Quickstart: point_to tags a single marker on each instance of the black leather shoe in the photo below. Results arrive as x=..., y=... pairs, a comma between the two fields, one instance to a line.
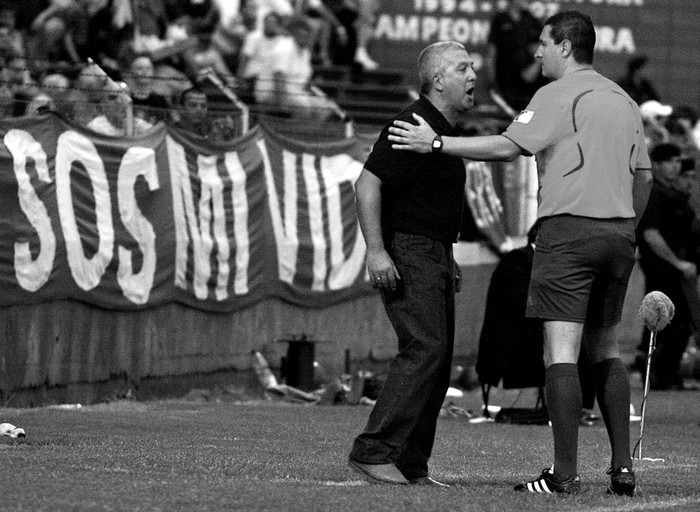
x=379, y=473
x=426, y=480
x=622, y=482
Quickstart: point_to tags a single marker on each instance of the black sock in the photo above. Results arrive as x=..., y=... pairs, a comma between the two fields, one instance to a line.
x=613, y=391
x=585, y=375
x=563, y=392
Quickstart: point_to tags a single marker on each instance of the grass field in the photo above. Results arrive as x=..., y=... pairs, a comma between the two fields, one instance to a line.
x=269, y=455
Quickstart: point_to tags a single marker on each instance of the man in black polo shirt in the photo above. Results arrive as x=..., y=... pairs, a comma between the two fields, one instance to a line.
x=668, y=238
x=410, y=209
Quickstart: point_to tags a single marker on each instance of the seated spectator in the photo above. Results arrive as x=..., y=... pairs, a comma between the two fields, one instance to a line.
x=39, y=104
x=228, y=38
x=324, y=25
x=17, y=87
x=56, y=88
x=109, y=30
x=283, y=80
x=194, y=118
x=148, y=104
x=11, y=39
x=151, y=20
x=260, y=52
x=206, y=58
x=197, y=17
x=344, y=43
x=170, y=82
x=113, y=119
x=282, y=8
x=654, y=116
x=193, y=115
x=299, y=96
x=366, y=19
x=82, y=100
x=58, y=34
x=680, y=126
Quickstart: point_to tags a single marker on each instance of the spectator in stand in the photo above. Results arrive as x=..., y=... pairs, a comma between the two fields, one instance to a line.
x=17, y=87
x=636, y=83
x=56, y=86
x=197, y=17
x=366, y=20
x=194, y=118
x=206, y=58
x=58, y=34
x=108, y=32
x=228, y=39
x=695, y=132
x=293, y=91
x=169, y=81
x=281, y=67
x=11, y=39
x=344, y=42
x=112, y=121
x=282, y=7
x=148, y=104
x=259, y=54
x=324, y=24
x=510, y=61
x=680, y=126
x=83, y=99
x=40, y=104
x=155, y=29
x=150, y=19
x=654, y=116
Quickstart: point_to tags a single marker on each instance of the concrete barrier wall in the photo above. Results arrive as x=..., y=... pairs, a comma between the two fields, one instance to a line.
x=65, y=342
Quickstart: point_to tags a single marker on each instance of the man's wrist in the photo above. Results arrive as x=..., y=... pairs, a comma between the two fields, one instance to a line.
x=437, y=144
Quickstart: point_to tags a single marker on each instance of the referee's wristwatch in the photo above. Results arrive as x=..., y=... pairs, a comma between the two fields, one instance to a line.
x=437, y=144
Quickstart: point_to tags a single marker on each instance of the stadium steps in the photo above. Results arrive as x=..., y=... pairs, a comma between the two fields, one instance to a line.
x=370, y=98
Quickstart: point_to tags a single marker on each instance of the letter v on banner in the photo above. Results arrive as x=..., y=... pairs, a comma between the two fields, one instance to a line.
x=285, y=227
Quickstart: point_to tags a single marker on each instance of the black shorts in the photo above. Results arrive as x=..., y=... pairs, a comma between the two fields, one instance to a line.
x=581, y=269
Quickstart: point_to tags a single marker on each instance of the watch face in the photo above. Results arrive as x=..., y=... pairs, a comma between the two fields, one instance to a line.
x=437, y=144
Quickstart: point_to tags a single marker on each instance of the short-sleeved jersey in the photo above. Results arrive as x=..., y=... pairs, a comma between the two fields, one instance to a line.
x=588, y=139
x=422, y=194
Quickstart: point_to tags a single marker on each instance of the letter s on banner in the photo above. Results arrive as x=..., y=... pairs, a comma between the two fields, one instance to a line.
x=31, y=274
x=137, y=161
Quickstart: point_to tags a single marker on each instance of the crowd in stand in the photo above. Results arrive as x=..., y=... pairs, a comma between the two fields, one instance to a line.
x=149, y=52
x=89, y=59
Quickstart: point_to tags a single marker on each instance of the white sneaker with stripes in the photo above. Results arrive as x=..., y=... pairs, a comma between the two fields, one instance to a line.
x=545, y=483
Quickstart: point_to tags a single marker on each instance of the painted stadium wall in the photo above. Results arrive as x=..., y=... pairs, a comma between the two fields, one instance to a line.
x=665, y=30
